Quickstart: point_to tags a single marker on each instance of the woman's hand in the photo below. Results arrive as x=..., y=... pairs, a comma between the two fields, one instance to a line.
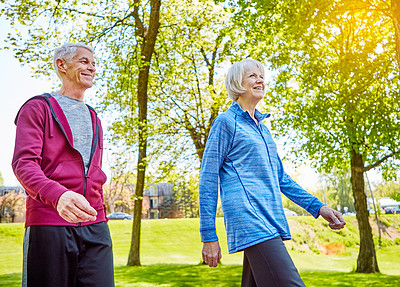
x=334, y=217
x=211, y=253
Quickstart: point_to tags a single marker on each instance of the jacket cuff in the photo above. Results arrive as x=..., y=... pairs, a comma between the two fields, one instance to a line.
x=51, y=193
x=314, y=207
x=209, y=235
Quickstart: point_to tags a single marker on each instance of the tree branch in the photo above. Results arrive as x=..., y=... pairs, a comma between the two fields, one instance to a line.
x=377, y=163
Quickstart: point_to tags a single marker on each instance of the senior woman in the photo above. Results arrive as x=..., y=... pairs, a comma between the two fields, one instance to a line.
x=241, y=161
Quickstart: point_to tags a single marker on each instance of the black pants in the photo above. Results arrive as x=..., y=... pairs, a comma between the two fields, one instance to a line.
x=65, y=256
x=269, y=264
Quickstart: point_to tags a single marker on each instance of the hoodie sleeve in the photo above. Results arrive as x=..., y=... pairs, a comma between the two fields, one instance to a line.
x=27, y=159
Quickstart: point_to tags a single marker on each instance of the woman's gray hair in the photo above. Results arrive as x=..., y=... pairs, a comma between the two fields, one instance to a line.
x=234, y=78
x=67, y=52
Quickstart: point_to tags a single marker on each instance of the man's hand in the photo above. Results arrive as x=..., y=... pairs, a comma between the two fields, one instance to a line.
x=211, y=253
x=74, y=208
x=334, y=217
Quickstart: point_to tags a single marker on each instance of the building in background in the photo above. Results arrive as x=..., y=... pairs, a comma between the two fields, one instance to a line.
x=159, y=202
x=12, y=204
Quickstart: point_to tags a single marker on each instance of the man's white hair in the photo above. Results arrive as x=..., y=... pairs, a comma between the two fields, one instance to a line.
x=234, y=78
x=67, y=52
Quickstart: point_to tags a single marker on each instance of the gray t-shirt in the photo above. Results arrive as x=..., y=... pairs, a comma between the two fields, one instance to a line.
x=80, y=122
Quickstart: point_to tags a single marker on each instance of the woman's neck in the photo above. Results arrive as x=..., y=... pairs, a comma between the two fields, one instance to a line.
x=249, y=107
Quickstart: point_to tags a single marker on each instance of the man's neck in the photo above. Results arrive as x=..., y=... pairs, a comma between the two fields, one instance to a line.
x=72, y=93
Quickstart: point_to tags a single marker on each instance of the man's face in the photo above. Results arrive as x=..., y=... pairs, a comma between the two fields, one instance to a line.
x=80, y=71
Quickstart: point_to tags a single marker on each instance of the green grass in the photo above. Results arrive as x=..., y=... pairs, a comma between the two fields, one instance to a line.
x=175, y=241
x=226, y=275
x=171, y=255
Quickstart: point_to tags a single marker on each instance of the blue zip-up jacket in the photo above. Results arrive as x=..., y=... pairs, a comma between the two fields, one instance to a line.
x=242, y=159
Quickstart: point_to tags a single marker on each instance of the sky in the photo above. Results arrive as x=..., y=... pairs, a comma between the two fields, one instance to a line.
x=18, y=85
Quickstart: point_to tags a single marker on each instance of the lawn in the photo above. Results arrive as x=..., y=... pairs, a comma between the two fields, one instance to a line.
x=170, y=256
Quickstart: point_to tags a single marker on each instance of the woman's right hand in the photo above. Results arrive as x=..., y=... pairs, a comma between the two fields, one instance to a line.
x=211, y=253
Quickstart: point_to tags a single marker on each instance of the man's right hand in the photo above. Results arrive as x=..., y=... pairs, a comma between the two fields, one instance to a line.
x=74, y=208
x=211, y=253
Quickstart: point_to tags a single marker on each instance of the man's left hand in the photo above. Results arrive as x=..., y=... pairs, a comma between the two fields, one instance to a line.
x=334, y=217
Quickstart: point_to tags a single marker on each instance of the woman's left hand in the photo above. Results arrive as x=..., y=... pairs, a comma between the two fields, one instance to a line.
x=211, y=253
x=334, y=217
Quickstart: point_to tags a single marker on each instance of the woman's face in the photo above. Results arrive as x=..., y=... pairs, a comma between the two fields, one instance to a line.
x=253, y=82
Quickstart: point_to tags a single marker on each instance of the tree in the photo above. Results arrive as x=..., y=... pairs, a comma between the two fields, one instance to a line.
x=1, y=180
x=149, y=36
x=388, y=189
x=10, y=205
x=188, y=63
x=118, y=191
x=392, y=11
x=340, y=192
x=335, y=88
x=194, y=44
x=395, y=196
x=186, y=196
x=169, y=207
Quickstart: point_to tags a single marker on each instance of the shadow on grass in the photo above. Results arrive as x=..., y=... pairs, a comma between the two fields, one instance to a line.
x=230, y=275
x=178, y=275
x=11, y=279
x=223, y=275
x=318, y=278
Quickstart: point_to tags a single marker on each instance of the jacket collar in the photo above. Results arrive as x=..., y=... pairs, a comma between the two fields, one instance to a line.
x=61, y=118
x=237, y=109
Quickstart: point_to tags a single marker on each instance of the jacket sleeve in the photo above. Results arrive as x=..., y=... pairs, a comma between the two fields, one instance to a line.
x=27, y=159
x=217, y=147
x=296, y=193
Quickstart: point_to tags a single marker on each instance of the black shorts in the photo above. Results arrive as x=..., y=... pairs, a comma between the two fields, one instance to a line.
x=68, y=256
x=269, y=264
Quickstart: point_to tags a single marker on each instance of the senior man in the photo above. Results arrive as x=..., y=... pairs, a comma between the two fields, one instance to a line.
x=57, y=159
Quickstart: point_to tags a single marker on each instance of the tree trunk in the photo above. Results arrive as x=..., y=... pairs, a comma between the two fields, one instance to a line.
x=147, y=49
x=366, y=261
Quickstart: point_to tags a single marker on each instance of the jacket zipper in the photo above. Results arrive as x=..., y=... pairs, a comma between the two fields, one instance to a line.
x=258, y=127
x=85, y=172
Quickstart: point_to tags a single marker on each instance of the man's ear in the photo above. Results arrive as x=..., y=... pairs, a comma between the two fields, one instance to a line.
x=61, y=65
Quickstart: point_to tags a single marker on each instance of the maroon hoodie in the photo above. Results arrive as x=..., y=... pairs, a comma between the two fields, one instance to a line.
x=46, y=163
